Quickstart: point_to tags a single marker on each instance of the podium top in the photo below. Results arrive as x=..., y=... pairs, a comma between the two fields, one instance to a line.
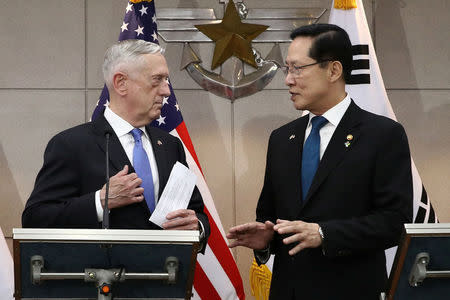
x=429, y=228
x=106, y=235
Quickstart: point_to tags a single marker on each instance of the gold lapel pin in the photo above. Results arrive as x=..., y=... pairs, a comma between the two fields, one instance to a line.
x=349, y=137
x=159, y=142
x=292, y=137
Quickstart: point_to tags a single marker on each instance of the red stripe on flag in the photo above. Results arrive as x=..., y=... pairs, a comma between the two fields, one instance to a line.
x=216, y=241
x=223, y=255
x=203, y=285
x=184, y=135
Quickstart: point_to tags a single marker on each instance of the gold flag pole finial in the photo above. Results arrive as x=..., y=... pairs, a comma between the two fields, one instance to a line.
x=345, y=4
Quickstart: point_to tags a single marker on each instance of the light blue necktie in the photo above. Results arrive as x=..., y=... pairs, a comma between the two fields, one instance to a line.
x=311, y=154
x=142, y=167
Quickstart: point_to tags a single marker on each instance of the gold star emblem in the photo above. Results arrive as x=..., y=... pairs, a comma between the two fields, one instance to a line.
x=232, y=37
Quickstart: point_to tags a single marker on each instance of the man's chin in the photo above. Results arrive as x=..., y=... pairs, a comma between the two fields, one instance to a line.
x=299, y=104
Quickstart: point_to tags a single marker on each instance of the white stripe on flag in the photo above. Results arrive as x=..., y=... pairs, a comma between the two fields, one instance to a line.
x=195, y=295
x=217, y=275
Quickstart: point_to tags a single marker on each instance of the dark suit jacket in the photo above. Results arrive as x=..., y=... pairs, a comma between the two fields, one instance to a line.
x=361, y=195
x=74, y=169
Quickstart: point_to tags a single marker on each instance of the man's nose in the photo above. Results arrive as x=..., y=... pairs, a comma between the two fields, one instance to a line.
x=289, y=79
x=165, y=89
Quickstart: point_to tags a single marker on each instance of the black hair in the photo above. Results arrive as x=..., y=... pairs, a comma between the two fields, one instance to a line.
x=330, y=43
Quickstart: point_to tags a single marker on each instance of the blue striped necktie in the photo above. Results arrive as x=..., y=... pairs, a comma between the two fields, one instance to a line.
x=311, y=154
x=142, y=167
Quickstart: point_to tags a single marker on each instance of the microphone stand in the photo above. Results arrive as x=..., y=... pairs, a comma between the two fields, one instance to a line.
x=106, y=209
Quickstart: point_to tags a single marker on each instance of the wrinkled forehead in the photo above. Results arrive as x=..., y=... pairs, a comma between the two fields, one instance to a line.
x=153, y=64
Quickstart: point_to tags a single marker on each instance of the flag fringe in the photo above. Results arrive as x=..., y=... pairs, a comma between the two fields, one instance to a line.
x=260, y=278
x=345, y=4
x=139, y=1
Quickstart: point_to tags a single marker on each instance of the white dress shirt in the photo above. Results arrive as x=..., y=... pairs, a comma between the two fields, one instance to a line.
x=334, y=116
x=122, y=129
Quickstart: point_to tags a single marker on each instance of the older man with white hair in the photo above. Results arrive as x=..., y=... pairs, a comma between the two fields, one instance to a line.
x=70, y=188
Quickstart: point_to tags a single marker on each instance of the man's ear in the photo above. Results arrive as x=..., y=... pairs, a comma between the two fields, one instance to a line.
x=335, y=71
x=120, y=83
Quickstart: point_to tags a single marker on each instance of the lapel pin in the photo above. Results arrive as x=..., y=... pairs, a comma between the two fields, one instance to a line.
x=292, y=137
x=349, y=137
x=159, y=142
x=347, y=144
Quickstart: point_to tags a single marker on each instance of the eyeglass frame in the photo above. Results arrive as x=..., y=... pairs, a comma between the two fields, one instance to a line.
x=297, y=70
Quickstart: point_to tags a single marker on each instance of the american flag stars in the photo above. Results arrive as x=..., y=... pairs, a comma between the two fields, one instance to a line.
x=155, y=36
x=136, y=15
x=161, y=120
x=124, y=26
x=129, y=8
x=168, y=112
x=143, y=11
x=139, y=30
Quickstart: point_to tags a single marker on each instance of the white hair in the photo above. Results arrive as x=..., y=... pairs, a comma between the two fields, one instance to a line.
x=125, y=53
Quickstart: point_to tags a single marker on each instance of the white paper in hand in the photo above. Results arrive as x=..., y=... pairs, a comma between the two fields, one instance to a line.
x=176, y=194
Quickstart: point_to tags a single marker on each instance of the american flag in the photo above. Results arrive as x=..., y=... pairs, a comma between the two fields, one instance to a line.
x=216, y=273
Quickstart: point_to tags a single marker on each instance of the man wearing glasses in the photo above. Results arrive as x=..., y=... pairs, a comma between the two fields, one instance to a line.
x=338, y=184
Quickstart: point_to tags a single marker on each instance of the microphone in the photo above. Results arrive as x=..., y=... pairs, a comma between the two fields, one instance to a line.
x=106, y=208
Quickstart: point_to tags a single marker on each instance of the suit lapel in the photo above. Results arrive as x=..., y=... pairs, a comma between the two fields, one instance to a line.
x=117, y=156
x=159, y=146
x=338, y=147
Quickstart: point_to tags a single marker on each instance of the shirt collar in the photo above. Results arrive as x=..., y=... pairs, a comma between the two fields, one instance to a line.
x=119, y=125
x=335, y=114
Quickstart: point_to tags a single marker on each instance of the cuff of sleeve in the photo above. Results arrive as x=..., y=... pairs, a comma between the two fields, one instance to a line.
x=322, y=238
x=98, y=206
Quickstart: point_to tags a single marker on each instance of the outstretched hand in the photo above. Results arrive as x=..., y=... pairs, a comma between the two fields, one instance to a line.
x=254, y=235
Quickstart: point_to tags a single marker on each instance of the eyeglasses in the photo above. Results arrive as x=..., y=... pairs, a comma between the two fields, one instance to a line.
x=294, y=70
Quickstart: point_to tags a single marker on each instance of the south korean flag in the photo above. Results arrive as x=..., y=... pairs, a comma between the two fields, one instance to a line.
x=366, y=88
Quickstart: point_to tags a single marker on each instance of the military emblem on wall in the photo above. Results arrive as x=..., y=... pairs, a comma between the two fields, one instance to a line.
x=236, y=37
